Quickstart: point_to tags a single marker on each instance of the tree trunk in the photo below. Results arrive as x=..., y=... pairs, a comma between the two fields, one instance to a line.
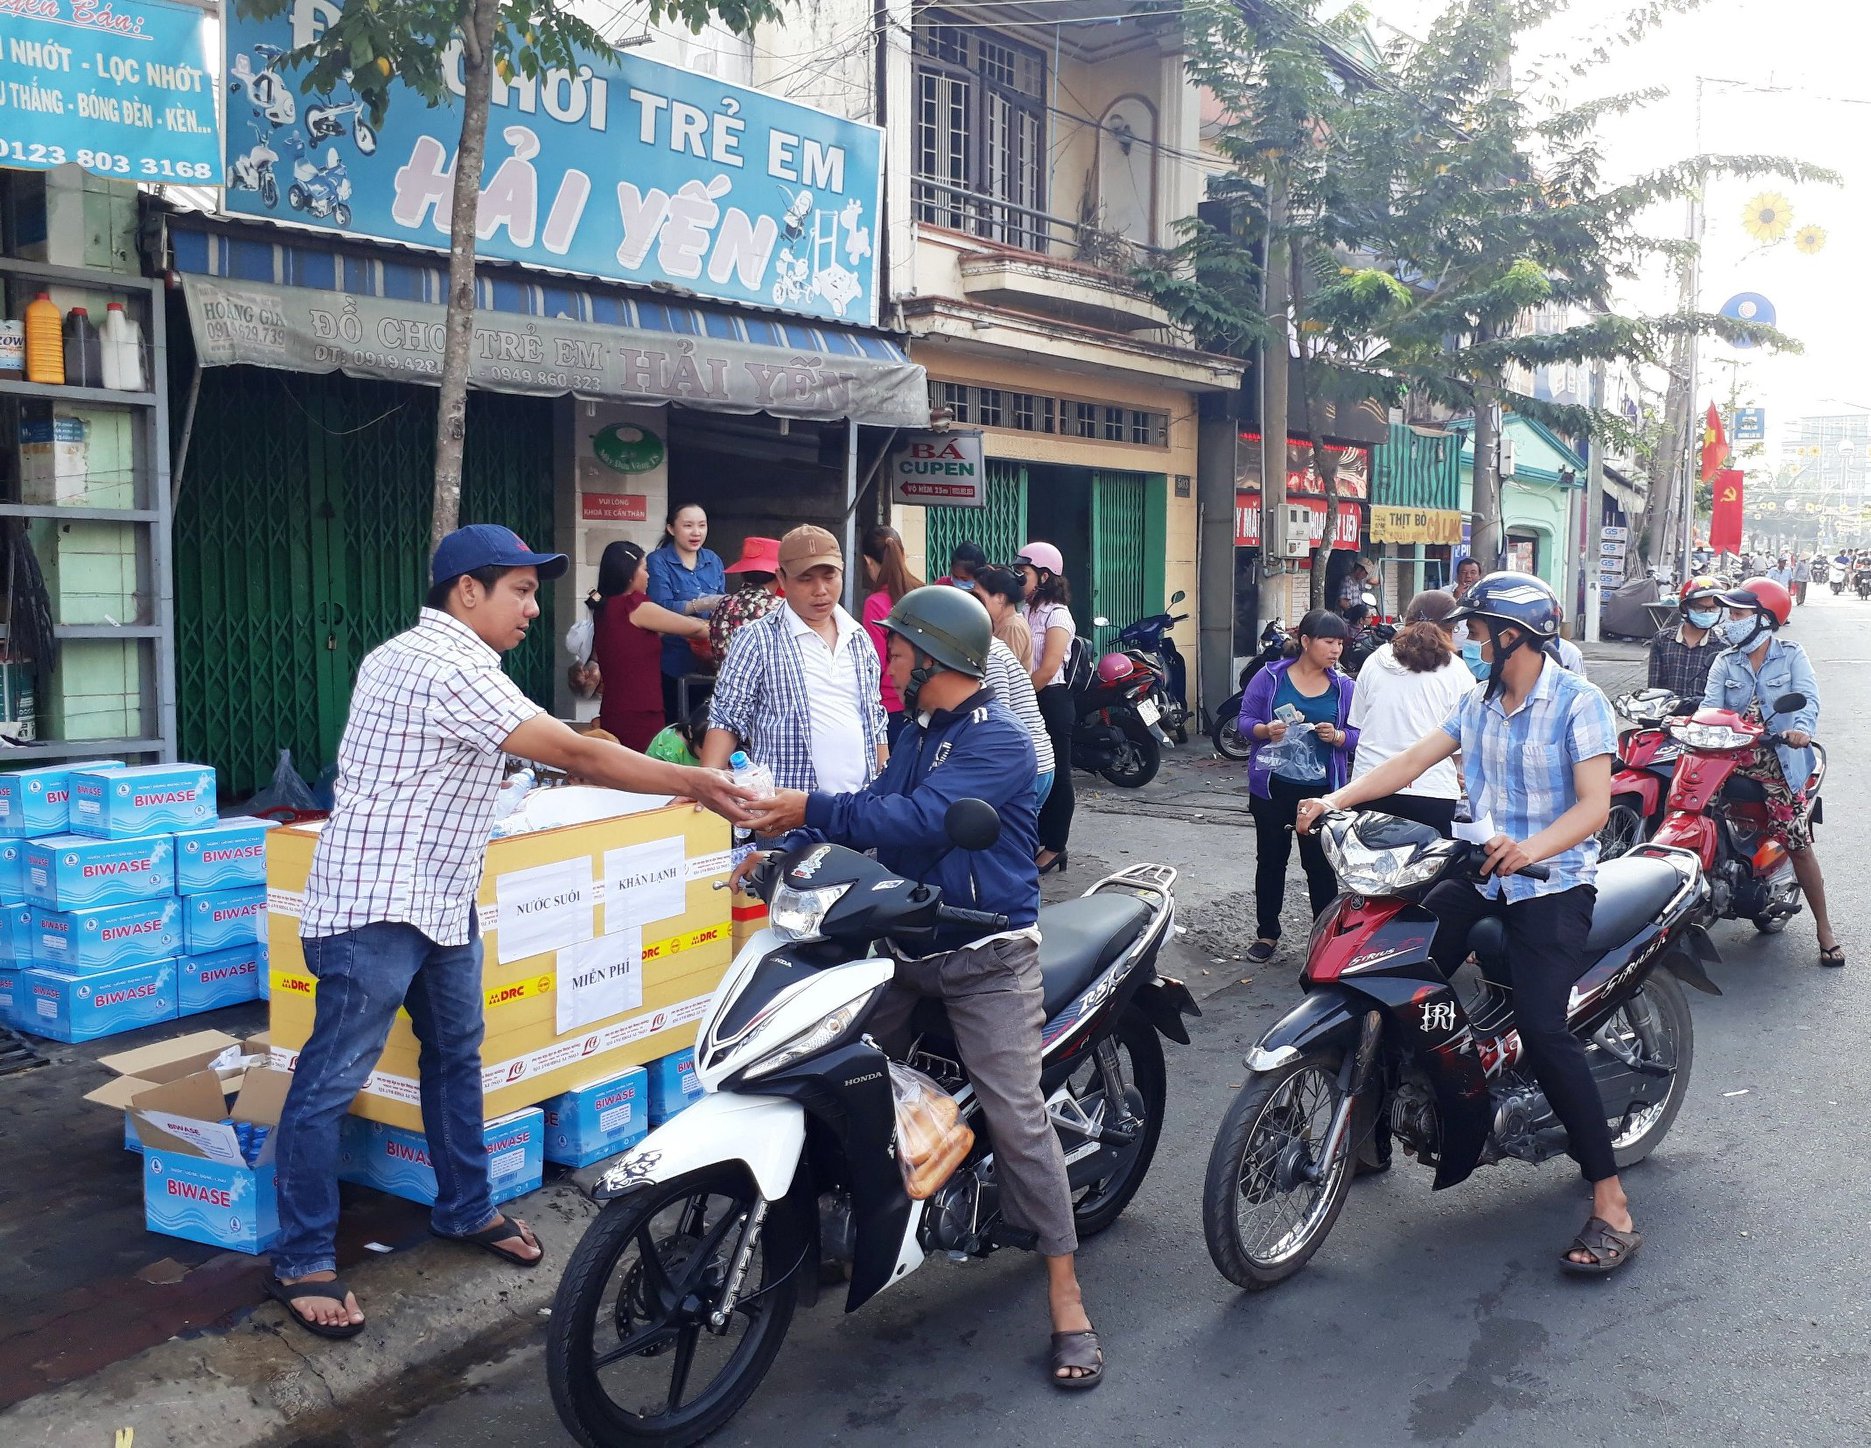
x=451, y=417
x=1666, y=466
x=1274, y=373
x=1487, y=534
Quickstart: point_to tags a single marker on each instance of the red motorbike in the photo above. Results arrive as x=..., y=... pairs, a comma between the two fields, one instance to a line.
x=1117, y=733
x=1721, y=815
x=1646, y=764
x=1382, y=1036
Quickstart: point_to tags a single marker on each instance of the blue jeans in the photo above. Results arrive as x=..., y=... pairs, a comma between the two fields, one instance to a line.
x=363, y=976
x=1042, y=786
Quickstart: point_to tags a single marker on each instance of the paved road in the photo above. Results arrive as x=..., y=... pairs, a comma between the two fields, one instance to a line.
x=1427, y=1318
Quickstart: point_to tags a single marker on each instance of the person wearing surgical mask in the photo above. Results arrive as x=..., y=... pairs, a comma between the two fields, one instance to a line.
x=1680, y=657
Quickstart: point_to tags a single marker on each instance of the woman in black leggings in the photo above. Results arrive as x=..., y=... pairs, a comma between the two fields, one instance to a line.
x=1049, y=617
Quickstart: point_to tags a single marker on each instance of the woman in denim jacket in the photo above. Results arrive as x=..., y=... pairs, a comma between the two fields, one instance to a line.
x=1283, y=768
x=1757, y=669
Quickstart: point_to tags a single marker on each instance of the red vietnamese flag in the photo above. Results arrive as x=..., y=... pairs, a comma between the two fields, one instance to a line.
x=1714, y=445
x=1725, y=524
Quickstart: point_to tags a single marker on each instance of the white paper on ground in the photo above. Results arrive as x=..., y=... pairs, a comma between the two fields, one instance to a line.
x=645, y=882
x=600, y=979
x=545, y=908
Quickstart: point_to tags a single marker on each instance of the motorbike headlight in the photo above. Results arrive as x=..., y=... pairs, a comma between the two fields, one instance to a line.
x=798, y=914
x=1366, y=871
x=814, y=1039
x=1710, y=736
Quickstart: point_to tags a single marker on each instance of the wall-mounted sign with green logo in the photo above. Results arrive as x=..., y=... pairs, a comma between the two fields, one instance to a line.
x=625, y=448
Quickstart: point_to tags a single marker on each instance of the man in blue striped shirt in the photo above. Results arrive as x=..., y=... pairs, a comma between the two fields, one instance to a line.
x=1537, y=745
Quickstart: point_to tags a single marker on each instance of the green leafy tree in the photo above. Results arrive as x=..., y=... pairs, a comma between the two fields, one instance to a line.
x=448, y=52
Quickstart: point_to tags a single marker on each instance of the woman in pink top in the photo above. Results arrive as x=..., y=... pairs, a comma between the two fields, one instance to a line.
x=887, y=571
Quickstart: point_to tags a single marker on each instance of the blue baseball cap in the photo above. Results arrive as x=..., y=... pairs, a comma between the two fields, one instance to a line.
x=481, y=545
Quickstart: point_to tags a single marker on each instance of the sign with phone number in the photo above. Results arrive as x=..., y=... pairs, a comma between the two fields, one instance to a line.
x=118, y=87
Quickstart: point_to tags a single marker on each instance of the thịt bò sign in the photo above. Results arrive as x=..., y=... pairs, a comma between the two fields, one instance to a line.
x=939, y=468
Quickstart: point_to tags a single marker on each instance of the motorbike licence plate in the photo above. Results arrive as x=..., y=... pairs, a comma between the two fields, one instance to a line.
x=1148, y=712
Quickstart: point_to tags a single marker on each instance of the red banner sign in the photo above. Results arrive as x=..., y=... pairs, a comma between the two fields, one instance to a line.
x=614, y=507
x=1725, y=525
x=1302, y=475
x=1247, y=521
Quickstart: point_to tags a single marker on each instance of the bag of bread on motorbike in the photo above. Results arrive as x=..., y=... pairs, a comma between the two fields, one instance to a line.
x=932, y=1139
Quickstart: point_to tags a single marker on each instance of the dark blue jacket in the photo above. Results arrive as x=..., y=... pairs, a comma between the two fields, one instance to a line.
x=977, y=751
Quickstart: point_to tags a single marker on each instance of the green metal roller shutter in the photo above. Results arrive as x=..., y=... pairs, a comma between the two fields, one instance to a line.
x=1119, y=530
x=1000, y=527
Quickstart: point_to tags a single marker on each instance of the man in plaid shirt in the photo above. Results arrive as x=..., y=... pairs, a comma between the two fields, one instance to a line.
x=1680, y=657
x=799, y=688
x=389, y=907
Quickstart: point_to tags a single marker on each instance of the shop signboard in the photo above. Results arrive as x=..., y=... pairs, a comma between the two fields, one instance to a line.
x=943, y=468
x=1302, y=475
x=120, y=89
x=623, y=169
x=1391, y=524
x=614, y=507
x=1247, y=521
x=299, y=329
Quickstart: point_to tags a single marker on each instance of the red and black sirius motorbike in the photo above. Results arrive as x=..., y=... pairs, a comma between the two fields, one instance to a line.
x=1381, y=1036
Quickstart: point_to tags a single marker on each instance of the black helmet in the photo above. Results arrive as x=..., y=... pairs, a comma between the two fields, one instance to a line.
x=948, y=624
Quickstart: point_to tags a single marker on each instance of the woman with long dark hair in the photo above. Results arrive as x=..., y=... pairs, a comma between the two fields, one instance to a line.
x=1049, y=621
x=1406, y=689
x=1297, y=712
x=887, y=571
x=629, y=633
x=685, y=578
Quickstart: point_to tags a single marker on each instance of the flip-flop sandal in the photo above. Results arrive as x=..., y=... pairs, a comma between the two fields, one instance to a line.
x=1261, y=951
x=488, y=1239
x=1833, y=955
x=1078, y=1350
x=287, y=1293
x=1610, y=1249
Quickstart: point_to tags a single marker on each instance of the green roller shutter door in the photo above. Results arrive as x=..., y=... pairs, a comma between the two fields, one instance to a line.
x=1000, y=527
x=1119, y=534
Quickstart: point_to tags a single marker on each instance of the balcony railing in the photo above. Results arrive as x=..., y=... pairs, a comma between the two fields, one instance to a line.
x=938, y=203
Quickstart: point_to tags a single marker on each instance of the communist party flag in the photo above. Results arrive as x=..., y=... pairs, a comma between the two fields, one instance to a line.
x=1725, y=524
x=1714, y=445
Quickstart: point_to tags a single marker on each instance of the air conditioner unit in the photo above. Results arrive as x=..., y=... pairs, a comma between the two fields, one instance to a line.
x=1296, y=537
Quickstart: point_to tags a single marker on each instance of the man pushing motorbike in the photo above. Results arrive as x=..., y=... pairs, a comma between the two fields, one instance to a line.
x=1537, y=744
x=963, y=743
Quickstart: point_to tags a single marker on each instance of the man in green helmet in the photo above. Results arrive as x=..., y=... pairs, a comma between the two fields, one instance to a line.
x=963, y=743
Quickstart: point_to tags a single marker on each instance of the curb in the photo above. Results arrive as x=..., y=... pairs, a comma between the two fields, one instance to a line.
x=264, y=1381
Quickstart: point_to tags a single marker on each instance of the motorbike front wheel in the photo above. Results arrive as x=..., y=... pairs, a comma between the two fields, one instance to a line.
x=1138, y=758
x=269, y=191
x=631, y=1355
x=341, y=214
x=1654, y=1026
x=1623, y=830
x=1268, y=1202
x=1230, y=742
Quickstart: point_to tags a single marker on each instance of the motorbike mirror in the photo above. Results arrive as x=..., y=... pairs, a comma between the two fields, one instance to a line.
x=1369, y=600
x=1101, y=622
x=1789, y=703
x=1177, y=597
x=972, y=824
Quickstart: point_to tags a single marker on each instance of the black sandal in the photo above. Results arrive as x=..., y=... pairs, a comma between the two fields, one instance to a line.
x=287, y=1293
x=1610, y=1249
x=1832, y=955
x=489, y=1238
x=1078, y=1350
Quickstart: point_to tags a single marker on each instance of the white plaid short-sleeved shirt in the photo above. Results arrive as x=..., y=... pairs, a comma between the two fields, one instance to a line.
x=419, y=771
x=1518, y=767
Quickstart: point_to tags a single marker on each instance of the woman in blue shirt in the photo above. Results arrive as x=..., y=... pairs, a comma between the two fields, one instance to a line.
x=685, y=578
x=1757, y=669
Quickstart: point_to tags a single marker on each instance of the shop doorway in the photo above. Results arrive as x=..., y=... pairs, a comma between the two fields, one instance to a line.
x=301, y=543
x=1110, y=526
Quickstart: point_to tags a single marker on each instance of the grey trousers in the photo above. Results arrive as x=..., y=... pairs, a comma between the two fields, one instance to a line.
x=994, y=999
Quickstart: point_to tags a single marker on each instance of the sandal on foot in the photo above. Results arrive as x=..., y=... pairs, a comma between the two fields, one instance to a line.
x=489, y=1239
x=1261, y=951
x=1833, y=955
x=1078, y=1350
x=288, y=1293
x=1609, y=1248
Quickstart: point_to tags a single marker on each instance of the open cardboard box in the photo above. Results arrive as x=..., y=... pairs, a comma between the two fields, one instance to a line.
x=150, y=1066
x=197, y=1181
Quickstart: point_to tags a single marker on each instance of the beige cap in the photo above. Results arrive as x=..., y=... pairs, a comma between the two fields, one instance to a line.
x=807, y=547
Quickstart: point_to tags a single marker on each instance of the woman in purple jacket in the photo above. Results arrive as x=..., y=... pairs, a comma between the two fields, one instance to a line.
x=1297, y=714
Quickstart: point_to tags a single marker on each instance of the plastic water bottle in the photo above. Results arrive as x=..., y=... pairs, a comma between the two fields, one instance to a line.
x=757, y=777
x=513, y=796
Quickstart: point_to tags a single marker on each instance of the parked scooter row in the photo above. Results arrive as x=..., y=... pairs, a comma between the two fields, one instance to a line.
x=1134, y=703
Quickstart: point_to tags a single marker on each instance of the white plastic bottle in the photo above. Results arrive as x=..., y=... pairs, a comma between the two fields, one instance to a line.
x=122, y=351
x=512, y=797
x=758, y=778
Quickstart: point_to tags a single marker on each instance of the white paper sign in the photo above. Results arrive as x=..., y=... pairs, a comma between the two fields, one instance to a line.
x=1475, y=832
x=600, y=979
x=644, y=883
x=545, y=908
x=213, y=1139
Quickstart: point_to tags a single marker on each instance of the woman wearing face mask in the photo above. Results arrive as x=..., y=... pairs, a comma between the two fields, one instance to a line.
x=1680, y=657
x=1756, y=669
x=1297, y=712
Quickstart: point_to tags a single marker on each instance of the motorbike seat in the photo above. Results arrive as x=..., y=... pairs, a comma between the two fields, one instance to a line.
x=1078, y=940
x=1631, y=890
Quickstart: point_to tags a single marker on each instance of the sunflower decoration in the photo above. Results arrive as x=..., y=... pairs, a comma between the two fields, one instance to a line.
x=1809, y=240
x=1768, y=217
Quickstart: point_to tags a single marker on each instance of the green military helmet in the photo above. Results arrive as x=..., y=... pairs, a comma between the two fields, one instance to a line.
x=947, y=624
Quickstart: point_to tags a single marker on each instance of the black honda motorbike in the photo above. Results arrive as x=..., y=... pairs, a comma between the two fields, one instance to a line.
x=1230, y=742
x=1382, y=1036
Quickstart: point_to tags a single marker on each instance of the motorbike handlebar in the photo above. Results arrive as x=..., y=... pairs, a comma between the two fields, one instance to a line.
x=955, y=915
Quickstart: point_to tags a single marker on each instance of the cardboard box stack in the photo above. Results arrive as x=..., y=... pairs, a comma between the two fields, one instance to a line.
x=602, y=942
x=124, y=900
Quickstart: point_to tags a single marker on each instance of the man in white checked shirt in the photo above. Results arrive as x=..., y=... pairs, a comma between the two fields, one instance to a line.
x=389, y=910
